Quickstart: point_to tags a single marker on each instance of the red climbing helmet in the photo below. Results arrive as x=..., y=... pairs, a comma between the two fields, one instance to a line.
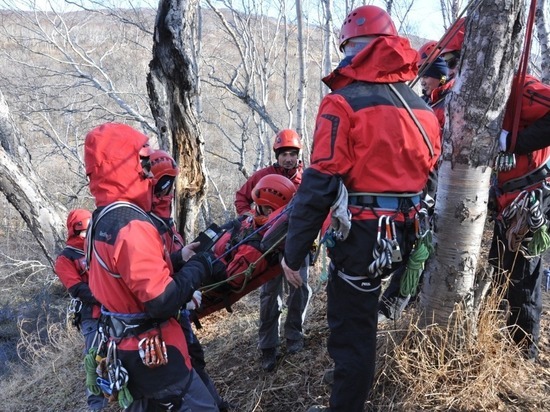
x=453, y=39
x=287, y=138
x=77, y=221
x=274, y=191
x=366, y=21
x=426, y=50
x=164, y=169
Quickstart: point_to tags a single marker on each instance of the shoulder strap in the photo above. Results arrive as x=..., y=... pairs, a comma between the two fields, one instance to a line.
x=415, y=119
x=90, y=234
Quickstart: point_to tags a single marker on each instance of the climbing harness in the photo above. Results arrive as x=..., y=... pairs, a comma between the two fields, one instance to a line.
x=525, y=215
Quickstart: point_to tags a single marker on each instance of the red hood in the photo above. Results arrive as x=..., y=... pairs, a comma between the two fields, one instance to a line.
x=77, y=219
x=387, y=59
x=111, y=156
x=76, y=242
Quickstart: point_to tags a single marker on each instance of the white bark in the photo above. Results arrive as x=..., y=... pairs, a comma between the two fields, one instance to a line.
x=473, y=118
x=22, y=188
x=302, y=80
x=542, y=21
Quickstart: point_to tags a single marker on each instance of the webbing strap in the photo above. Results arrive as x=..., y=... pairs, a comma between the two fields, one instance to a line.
x=522, y=71
x=536, y=176
x=90, y=234
x=415, y=119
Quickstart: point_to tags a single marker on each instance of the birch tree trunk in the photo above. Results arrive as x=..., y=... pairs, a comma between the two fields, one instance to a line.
x=473, y=119
x=172, y=89
x=328, y=39
x=22, y=188
x=302, y=84
x=542, y=21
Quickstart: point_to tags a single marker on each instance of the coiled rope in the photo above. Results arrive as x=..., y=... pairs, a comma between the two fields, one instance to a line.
x=90, y=365
x=415, y=264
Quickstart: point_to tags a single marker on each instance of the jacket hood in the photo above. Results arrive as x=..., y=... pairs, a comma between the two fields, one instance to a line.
x=387, y=59
x=77, y=220
x=112, y=159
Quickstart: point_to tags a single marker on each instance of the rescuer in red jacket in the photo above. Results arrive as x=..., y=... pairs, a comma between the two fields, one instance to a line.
x=374, y=145
x=130, y=276
x=70, y=267
x=287, y=146
x=165, y=171
x=520, y=197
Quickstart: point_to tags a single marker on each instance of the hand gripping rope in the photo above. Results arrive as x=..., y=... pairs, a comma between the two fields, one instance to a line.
x=386, y=249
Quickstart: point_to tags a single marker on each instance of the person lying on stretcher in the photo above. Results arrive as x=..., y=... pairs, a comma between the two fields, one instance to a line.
x=250, y=246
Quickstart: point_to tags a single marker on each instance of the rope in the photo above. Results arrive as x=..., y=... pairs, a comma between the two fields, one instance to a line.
x=382, y=256
x=90, y=365
x=526, y=214
x=125, y=398
x=247, y=272
x=415, y=265
x=265, y=226
x=540, y=242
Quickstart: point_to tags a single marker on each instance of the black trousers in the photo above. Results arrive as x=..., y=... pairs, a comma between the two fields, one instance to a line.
x=523, y=291
x=352, y=320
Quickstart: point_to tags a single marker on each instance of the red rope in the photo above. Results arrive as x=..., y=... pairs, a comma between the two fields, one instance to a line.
x=522, y=71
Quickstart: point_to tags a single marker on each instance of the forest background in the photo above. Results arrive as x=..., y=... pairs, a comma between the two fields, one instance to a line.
x=64, y=72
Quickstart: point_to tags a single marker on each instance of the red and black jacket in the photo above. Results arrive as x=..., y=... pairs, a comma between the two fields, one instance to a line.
x=532, y=148
x=365, y=137
x=137, y=279
x=243, y=197
x=70, y=267
x=437, y=101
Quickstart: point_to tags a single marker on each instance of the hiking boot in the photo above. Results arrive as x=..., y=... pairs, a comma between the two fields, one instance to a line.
x=269, y=359
x=318, y=409
x=391, y=308
x=328, y=377
x=294, y=345
x=226, y=406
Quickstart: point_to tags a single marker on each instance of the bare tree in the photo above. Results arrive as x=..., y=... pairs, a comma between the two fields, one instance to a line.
x=21, y=186
x=450, y=10
x=474, y=115
x=302, y=80
x=172, y=92
x=542, y=22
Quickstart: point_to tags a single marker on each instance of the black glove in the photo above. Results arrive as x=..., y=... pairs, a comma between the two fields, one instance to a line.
x=214, y=270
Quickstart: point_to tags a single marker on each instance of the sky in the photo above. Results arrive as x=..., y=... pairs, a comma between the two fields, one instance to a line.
x=425, y=14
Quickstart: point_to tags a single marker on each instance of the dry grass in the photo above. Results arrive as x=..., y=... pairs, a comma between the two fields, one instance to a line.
x=419, y=368
x=458, y=368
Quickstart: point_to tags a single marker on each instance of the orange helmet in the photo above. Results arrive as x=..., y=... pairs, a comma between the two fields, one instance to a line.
x=287, y=138
x=274, y=191
x=366, y=21
x=164, y=169
x=77, y=221
x=454, y=37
